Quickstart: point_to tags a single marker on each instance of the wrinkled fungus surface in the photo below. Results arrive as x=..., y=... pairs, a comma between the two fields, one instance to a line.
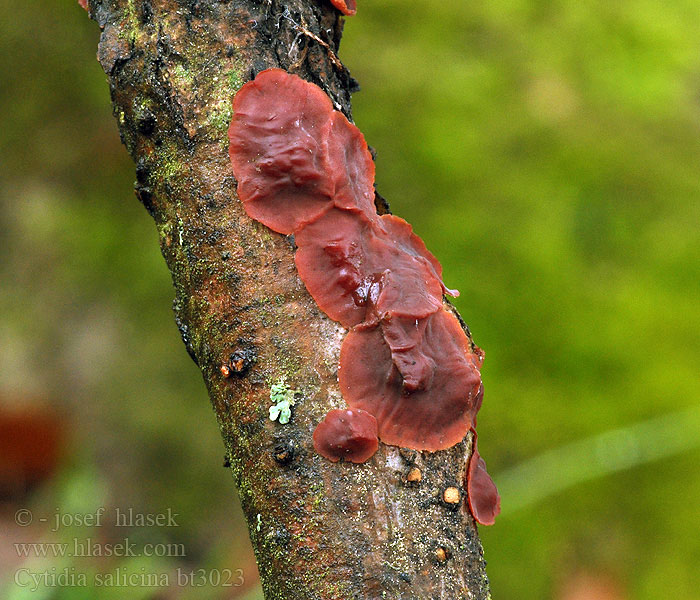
x=362, y=268
x=347, y=7
x=350, y=435
x=290, y=153
x=302, y=168
x=432, y=406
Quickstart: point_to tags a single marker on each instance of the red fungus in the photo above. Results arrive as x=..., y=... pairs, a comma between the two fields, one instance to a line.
x=402, y=233
x=351, y=263
x=347, y=7
x=293, y=155
x=83, y=3
x=350, y=435
x=330, y=259
x=407, y=369
x=440, y=409
x=350, y=164
x=484, y=501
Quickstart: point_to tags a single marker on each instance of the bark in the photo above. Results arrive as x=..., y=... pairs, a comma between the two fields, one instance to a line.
x=320, y=530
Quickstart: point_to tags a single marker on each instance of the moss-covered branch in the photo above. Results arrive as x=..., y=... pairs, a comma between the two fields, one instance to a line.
x=384, y=529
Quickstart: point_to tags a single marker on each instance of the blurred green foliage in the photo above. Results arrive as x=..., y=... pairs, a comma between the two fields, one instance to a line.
x=547, y=152
x=86, y=326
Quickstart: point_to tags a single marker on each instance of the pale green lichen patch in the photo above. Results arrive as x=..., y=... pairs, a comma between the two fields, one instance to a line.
x=282, y=397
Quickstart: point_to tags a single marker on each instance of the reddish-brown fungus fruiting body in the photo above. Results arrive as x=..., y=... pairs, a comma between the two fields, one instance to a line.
x=440, y=410
x=350, y=435
x=484, y=501
x=359, y=267
x=83, y=3
x=303, y=168
x=347, y=7
x=290, y=150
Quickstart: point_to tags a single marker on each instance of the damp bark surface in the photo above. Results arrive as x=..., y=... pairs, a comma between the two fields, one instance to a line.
x=395, y=527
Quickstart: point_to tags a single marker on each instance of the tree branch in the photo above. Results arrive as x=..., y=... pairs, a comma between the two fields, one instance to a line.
x=386, y=528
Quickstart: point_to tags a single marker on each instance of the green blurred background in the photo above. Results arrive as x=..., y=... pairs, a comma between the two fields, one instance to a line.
x=549, y=155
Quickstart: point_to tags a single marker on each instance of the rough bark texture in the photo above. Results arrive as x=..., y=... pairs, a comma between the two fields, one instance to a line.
x=320, y=530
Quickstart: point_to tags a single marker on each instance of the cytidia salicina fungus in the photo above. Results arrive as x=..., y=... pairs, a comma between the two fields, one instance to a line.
x=350, y=435
x=302, y=168
x=484, y=501
x=347, y=7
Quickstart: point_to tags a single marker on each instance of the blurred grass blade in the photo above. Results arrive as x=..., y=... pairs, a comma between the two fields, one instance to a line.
x=556, y=470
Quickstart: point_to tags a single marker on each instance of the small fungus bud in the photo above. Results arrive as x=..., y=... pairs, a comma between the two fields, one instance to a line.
x=347, y=434
x=414, y=475
x=484, y=501
x=442, y=554
x=451, y=495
